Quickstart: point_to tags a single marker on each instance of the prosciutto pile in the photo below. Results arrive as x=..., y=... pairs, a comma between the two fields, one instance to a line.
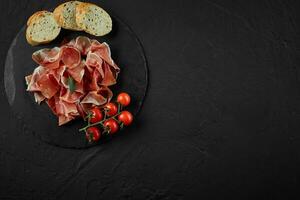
x=73, y=78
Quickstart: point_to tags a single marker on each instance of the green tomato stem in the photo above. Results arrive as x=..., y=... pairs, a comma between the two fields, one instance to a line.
x=100, y=122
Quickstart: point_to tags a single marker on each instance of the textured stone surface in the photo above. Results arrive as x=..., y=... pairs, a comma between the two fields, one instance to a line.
x=220, y=120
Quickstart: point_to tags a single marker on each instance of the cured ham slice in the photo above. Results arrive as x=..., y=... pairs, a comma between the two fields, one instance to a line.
x=58, y=73
x=39, y=97
x=48, y=58
x=103, y=51
x=106, y=93
x=70, y=56
x=73, y=78
x=48, y=85
x=31, y=80
x=77, y=72
x=71, y=97
x=83, y=44
x=110, y=69
x=94, y=61
x=95, y=98
x=94, y=80
x=110, y=75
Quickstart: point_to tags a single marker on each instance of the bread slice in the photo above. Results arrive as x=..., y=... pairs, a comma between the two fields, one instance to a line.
x=65, y=15
x=93, y=19
x=30, y=41
x=41, y=28
x=32, y=17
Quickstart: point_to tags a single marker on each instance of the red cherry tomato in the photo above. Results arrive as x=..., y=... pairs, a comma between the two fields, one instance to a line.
x=125, y=117
x=93, y=134
x=112, y=109
x=124, y=99
x=96, y=115
x=112, y=125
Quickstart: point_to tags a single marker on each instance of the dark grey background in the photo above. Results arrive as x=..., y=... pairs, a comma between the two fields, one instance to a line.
x=221, y=118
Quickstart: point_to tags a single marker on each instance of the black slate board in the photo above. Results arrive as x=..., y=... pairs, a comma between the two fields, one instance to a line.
x=126, y=51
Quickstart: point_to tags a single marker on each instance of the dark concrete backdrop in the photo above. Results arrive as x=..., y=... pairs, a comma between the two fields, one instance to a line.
x=221, y=118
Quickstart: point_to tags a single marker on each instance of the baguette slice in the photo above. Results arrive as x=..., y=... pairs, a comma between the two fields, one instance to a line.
x=93, y=19
x=30, y=41
x=32, y=17
x=65, y=15
x=41, y=28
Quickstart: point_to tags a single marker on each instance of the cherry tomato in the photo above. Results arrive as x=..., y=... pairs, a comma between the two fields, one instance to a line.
x=112, y=109
x=93, y=134
x=96, y=115
x=125, y=117
x=112, y=125
x=124, y=99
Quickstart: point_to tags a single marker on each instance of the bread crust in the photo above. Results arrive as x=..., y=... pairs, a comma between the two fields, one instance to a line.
x=34, y=15
x=29, y=40
x=57, y=13
x=33, y=18
x=81, y=10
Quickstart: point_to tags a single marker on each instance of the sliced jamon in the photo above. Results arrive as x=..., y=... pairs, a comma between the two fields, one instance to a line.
x=99, y=97
x=69, y=84
x=28, y=79
x=32, y=84
x=78, y=85
x=48, y=58
x=77, y=72
x=71, y=97
x=106, y=93
x=39, y=97
x=66, y=108
x=93, y=60
x=94, y=80
x=95, y=98
x=57, y=73
x=103, y=51
x=48, y=85
x=51, y=103
x=110, y=75
x=64, y=119
x=81, y=109
x=83, y=44
x=70, y=56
